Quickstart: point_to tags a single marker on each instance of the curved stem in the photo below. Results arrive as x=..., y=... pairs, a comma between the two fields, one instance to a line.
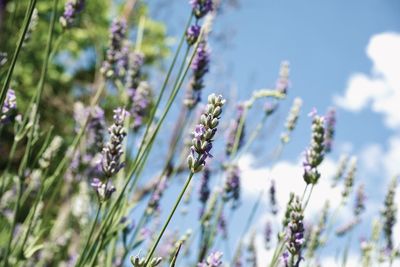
x=90, y=235
x=178, y=200
x=14, y=223
x=10, y=71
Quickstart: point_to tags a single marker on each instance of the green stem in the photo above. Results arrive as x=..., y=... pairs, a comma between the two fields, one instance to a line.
x=10, y=71
x=248, y=223
x=83, y=251
x=14, y=223
x=178, y=200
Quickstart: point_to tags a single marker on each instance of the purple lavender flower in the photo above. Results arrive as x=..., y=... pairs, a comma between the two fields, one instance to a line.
x=270, y=107
x=192, y=34
x=213, y=260
x=154, y=203
x=282, y=83
x=233, y=132
x=330, y=122
x=136, y=60
x=267, y=234
x=232, y=186
x=9, y=107
x=71, y=10
x=291, y=120
x=222, y=225
x=114, y=51
x=104, y=190
x=201, y=7
x=113, y=150
x=204, y=133
x=122, y=64
x=95, y=129
x=200, y=66
x=141, y=104
x=295, y=234
x=314, y=155
x=389, y=214
x=359, y=203
x=272, y=198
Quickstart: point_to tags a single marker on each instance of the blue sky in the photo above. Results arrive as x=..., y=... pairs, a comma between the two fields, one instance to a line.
x=329, y=44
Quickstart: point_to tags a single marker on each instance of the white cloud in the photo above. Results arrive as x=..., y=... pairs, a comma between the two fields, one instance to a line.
x=374, y=158
x=380, y=90
x=288, y=178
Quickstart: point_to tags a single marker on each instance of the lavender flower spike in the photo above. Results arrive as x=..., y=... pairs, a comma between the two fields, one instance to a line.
x=330, y=120
x=201, y=7
x=113, y=150
x=389, y=214
x=295, y=234
x=314, y=155
x=71, y=10
x=204, y=133
x=9, y=107
x=141, y=104
x=282, y=84
x=232, y=185
x=213, y=260
x=192, y=34
x=114, y=51
x=200, y=67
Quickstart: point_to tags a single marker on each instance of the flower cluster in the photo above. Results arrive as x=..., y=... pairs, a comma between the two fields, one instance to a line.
x=71, y=10
x=272, y=198
x=349, y=179
x=213, y=260
x=9, y=107
x=141, y=103
x=192, y=34
x=314, y=155
x=111, y=155
x=270, y=107
x=282, y=84
x=359, y=203
x=115, y=48
x=136, y=60
x=232, y=185
x=204, y=133
x=292, y=119
x=295, y=235
x=154, y=202
x=330, y=122
x=200, y=67
x=389, y=213
x=201, y=7
x=267, y=234
x=341, y=168
x=236, y=132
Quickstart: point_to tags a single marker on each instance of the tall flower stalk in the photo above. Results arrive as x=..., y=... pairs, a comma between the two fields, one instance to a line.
x=199, y=152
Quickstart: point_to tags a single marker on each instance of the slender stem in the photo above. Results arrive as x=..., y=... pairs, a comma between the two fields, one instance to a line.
x=163, y=87
x=10, y=71
x=90, y=235
x=249, y=221
x=141, y=156
x=178, y=200
x=309, y=196
x=14, y=223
